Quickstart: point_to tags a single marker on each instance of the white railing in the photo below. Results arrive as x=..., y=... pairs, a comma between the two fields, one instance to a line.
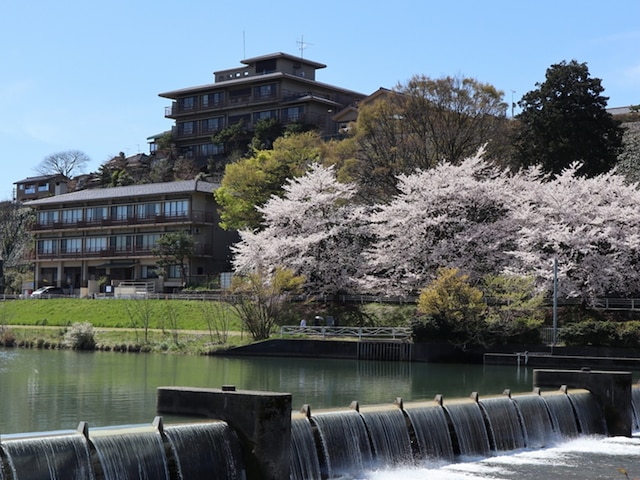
x=134, y=289
x=360, y=333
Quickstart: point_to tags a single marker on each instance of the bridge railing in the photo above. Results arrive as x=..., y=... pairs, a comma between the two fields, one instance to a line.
x=359, y=333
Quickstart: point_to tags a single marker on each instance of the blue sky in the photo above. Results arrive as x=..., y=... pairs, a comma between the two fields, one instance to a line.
x=84, y=75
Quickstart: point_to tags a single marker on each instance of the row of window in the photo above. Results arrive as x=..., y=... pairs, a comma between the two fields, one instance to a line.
x=212, y=125
x=118, y=243
x=172, y=208
x=217, y=99
x=32, y=188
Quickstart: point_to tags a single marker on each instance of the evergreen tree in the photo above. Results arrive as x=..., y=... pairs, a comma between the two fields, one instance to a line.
x=565, y=121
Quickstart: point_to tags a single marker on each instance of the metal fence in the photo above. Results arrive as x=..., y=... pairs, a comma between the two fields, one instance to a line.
x=359, y=333
x=547, y=335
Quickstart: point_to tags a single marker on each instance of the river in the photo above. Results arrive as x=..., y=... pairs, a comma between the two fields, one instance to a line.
x=45, y=390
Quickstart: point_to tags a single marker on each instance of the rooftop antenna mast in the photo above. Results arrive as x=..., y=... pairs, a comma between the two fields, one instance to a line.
x=302, y=46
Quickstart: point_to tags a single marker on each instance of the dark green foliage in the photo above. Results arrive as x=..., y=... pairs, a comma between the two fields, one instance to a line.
x=601, y=333
x=565, y=121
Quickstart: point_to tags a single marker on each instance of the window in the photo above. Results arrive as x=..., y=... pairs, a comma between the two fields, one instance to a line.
x=95, y=244
x=121, y=243
x=147, y=241
x=212, y=124
x=43, y=187
x=174, y=271
x=210, y=149
x=188, y=103
x=264, y=92
x=148, y=271
x=239, y=95
x=266, y=66
x=187, y=128
x=292, y=114
x=213, y=99
x=72, y=215
x=47, y=247
x=48, y=217
x=148, y=210
x=30, y=189
x=265, y=115
x=96, y=214
x=176, y=208
x=71, y=245
x=121, y=212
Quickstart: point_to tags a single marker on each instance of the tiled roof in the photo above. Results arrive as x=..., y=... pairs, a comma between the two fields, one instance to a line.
x=145, y=190
x=40, y=178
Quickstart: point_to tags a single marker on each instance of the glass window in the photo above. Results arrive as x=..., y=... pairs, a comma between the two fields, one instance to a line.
x=265, y=115
x=211, y=149
x=188, y=103
x=121, y=212
x=293, y=114
x=44, y=187
x=148, y=210
x=213, y=99
x=187, y=128
x=95, y=244
x=30, y=189
x=176, y=208
x=174, y=271
x=95, y=214
x=120, y=243
x=71, y=215
x=48, y=217
x=264, y=91
x=71, y=245
x=147, y=241
x=149, y=271
x=47, y=246
x=212, y=124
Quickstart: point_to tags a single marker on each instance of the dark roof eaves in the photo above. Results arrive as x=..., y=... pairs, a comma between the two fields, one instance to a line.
x=144, y=190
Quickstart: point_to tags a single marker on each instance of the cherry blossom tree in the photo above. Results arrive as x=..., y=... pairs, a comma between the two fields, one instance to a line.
x=314, y=229
x=591, y=226
x=453, y=216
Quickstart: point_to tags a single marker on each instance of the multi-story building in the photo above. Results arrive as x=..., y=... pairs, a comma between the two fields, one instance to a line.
x=32, y=188
x=106, y=236
x=278, y=86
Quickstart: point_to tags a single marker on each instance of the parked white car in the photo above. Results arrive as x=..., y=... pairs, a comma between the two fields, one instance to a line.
x=48, y=292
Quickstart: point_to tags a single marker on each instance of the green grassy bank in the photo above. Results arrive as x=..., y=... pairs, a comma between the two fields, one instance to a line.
x=195, y=327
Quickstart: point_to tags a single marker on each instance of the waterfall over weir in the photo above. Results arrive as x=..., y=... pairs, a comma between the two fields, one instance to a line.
x=324, y=445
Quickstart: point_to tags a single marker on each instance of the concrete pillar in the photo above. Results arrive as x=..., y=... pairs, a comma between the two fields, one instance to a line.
x=612, y=389
x=262, y=421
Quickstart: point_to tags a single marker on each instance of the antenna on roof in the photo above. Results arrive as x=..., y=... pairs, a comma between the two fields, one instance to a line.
x=302, y=45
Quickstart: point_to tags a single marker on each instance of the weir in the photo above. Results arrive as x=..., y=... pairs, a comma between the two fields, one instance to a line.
x=611, y=389
x=248, y=435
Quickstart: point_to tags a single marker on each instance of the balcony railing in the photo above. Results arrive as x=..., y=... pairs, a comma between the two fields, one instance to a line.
x=200, y=250
x=199, y=217
x=241, y=101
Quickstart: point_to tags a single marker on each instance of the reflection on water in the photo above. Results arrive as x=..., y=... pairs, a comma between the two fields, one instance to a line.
x=52, y=389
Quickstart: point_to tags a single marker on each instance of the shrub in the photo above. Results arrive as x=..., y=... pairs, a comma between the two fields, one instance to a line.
x=7, y=337
x=80, y=336
x=590, y=332
x=629, y=334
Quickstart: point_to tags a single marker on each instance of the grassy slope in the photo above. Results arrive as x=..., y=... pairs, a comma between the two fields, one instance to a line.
x=113, y=313
x=118, y=323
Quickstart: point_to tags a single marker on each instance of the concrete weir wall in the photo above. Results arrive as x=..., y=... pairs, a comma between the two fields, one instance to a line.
x=612, y=389
x=262, y=421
